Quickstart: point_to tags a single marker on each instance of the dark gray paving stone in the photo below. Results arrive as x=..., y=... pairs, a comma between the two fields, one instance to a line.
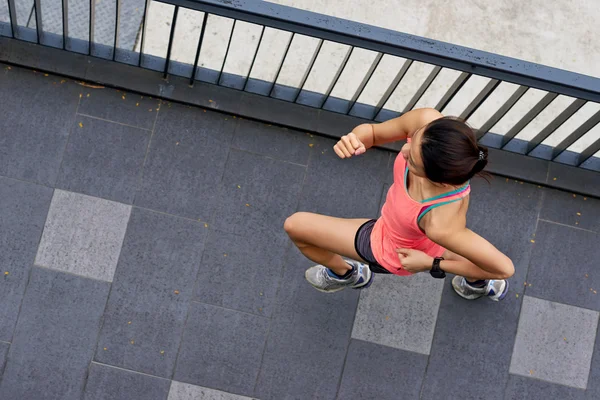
x=108, y=383
x=185, y=391
x=520, y=388
x=23, y=210
x=55, y=337
x=241, y=272
x=505, y=213
x=564, y=266
x=103, y=159
x=574, y=179
x=348, y=188
x=119, y=106
x=373, y=371
x=571, y=209
x=221, y=349
x=38, y=112
x=472, y=347
x=257, y=194
x=4, y=347
x=152, y=290
x=273, y=141
x=311, y=330
x=186, y=161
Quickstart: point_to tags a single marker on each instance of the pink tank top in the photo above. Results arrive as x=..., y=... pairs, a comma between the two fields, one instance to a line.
x=398, y=226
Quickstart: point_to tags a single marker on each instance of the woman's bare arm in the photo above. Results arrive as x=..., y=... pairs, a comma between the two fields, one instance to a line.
x=395, y=129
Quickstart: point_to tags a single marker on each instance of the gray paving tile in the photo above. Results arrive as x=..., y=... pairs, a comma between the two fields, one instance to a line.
x=230, y=361
x=103, y=159
x=185, y=391
x=186, y=162
x=593, y=387
x=472, y=346
x=119, y=106
x=565, y=273
x=4, y=347
x=83, y=235
x=257, y=195
x=241, y=272
x=109, y=383
x=554, y=342
x=349, y=188
x=23, y=210
x=505, y=213
x=571, y=209
x=151, y=293
x=399, y=312
x=55, y=337
x=520, y=388
x=273, y=141
x=378, y=372
x=34, y=130
x=312, y=329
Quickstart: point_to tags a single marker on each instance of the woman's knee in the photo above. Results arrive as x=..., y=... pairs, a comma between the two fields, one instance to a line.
x=293, y=224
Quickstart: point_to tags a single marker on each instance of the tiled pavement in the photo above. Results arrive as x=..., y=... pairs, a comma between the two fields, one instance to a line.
x=143, y=257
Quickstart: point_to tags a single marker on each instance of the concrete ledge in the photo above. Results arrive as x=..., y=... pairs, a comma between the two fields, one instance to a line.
x=253, y=106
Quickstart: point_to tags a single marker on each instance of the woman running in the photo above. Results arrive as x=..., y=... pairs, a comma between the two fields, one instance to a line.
x=423, y=221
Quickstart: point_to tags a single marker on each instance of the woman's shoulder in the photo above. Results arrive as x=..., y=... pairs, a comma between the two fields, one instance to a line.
x=447, y=218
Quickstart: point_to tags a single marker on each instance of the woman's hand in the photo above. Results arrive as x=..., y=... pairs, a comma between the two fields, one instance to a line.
x=349, y=145
x=414, y=260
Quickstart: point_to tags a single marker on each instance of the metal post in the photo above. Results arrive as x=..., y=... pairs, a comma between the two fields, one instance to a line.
x=392, y=87
x=143, y=32
x=432, y=75
x=479, y=99
x=530, y=116
x=193, y=77
x=309, y=69
x=12, y=12
x=365, y=81
x=226, y=52
x=91, y=25
x=337, y=76
x=65, y=24
x=502, y=111
x=116, y=41
x=37, y=9
x=453, y=90
x=287, y=48
x=170, y=46
x=262, y=32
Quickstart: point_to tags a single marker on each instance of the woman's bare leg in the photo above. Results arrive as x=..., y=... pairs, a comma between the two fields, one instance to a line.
x=325, y=239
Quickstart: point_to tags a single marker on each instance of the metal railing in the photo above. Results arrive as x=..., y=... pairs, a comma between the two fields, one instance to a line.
x=468, y=64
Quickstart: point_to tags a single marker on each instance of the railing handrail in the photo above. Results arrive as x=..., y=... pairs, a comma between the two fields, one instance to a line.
x=404, y=45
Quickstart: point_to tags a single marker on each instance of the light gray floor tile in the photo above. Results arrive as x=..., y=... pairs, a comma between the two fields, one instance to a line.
x=554, y=342
x=83, y=235
x=399, y=312
x=185, y=391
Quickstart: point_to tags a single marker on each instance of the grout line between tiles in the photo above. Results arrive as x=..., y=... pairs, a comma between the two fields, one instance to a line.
x=148, y=148
x=115, y=122
x=565, y=225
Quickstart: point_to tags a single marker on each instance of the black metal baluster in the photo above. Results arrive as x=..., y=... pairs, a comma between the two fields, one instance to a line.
x=116, y=41
x=170, y=45
x=502, y=111
x=365, y=81
x=424, y=86
x=588, y=152
x=37, y=9
x=453, y=90
x=337, y=76
x=555, y=124
x=311, y=64
x=65, y=24
x=204, y=19
x=262, y=32
x=392, y=87
x=12, y=13
x=479, y=99
x=226, y=52
x=143, y=32
x=91, y=25
x=287, y=48
x=576, y=134
x=530, y=116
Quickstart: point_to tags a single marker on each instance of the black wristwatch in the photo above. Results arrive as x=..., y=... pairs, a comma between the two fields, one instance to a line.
x=436, y=271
